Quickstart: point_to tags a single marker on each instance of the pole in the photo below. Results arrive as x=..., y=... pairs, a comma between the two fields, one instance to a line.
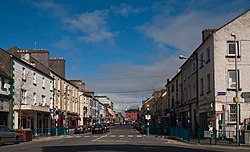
x=236, y=92
x=148, y=127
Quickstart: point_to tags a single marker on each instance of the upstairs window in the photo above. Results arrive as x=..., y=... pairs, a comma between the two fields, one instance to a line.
x=231, y=48
x=34, y=78
x=43, y=85
x=232, y=79
x=201, y=87
x=24, y=96
x=3, y=83
x=201, y=60
x=24, y=73
x=208, y=54
x=34, y=98
x=208, y=83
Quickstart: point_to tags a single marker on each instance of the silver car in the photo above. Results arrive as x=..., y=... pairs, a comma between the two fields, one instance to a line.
x=8, y=136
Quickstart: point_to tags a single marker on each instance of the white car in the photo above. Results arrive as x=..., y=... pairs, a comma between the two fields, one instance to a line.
x=8, y=136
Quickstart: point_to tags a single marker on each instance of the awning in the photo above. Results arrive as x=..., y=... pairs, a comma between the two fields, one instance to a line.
x=111, y=112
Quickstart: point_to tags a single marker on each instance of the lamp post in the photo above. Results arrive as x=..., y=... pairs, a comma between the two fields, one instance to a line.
x=236, y=91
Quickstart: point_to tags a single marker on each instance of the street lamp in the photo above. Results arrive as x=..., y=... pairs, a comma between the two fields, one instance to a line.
x=236, y=91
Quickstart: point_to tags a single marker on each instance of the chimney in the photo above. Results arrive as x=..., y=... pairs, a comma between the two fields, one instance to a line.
x=206, y=33
x=58, y=65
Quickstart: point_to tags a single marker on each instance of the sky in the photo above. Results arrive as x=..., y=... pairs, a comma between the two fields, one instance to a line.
x=124, y=49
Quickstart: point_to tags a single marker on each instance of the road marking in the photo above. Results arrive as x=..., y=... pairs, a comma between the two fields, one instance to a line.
x=95, y=136
x=69, y=137
x=139, y=136
x=121, y=136
x=130, y=136
x=112, y=136
x=101, y=137
x=86, y=136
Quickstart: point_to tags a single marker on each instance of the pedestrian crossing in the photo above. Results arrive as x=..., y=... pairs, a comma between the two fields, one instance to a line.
x=114, y=136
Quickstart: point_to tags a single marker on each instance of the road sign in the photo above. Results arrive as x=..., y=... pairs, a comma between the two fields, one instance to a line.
x=245, y=95
x=148, y=117
x=221, y=93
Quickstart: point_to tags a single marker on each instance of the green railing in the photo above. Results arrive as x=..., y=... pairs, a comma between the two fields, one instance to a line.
x=50, y=132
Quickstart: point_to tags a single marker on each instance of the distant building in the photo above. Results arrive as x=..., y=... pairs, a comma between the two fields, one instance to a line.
x=131, y=115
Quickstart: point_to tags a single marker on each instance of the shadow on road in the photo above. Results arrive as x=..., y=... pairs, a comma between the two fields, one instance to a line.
x=120, y=148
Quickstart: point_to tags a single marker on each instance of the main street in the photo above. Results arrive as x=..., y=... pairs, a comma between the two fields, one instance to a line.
x=121, y=138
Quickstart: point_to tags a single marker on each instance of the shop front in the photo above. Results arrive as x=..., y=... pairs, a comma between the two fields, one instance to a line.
x=4, y=110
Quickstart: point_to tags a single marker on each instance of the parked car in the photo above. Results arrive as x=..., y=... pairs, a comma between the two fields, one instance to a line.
x=8, y=136
x=81, y=129
x=89, y=128
x=106, y=127
x=98, y=128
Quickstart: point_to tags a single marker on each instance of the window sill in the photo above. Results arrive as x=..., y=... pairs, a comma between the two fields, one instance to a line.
x=228, y=89
x=232, y=56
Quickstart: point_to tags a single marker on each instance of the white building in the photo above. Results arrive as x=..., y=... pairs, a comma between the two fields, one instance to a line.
x=212, y=69
x=33, y=97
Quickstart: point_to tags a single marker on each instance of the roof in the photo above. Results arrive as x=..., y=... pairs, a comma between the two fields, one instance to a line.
x=4, y=74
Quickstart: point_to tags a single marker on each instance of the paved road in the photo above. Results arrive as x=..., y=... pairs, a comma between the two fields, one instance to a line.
x=120, y=139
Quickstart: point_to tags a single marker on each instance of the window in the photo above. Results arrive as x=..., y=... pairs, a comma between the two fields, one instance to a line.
x=24, y=74
x=201, y=60
x=208, y=54
x=194, y=90
x=231, y=48
x=232, y=112
x=189, y=92
x=43, y=85
x=176, y=84
x=51, y=85
x=34, y=98
x=172, y=88
x=24, y=96
x=232, y=79
x=202, y=87
x=34, y=78
x=43, y=100
x=194, y=66
x=208, y=83
x=58, y=84
x=3, y=83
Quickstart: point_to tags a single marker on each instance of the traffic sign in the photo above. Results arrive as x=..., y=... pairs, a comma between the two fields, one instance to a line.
x=148, y=117
x=245, y=95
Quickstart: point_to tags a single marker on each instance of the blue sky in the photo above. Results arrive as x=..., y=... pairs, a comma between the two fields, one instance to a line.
x=115, y=45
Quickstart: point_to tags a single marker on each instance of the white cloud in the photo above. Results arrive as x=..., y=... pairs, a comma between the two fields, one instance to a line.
x=125, y=10
x=92, y=25
x=182, y=30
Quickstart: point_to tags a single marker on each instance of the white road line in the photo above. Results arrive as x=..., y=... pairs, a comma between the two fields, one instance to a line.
x=130, y=136
x=121, y=135
x=139, y=136
x=112, y=136
x=95, y=136
x=86, y=136
x=101, y=137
